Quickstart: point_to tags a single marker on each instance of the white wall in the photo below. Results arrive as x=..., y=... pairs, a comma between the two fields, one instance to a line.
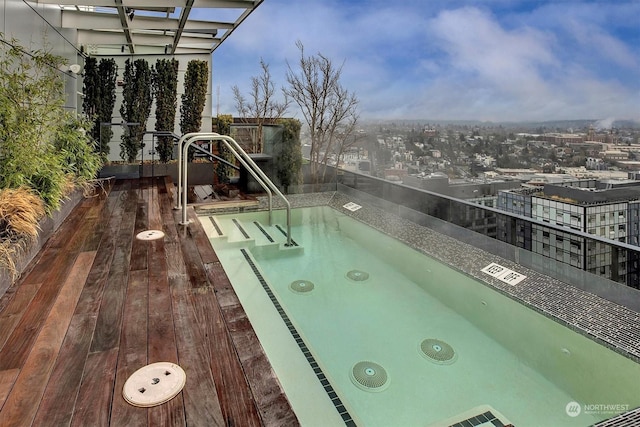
x=38, y=26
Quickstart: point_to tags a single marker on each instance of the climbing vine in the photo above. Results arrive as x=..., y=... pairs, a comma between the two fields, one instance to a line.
x=99, y=89
x=136, y=106
x=165, y=89
x=193, y=99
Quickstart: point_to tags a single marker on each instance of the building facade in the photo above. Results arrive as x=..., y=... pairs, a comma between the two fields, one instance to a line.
x=609, y=213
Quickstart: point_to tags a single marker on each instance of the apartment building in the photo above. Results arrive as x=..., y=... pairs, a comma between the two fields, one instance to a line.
x=587, y=206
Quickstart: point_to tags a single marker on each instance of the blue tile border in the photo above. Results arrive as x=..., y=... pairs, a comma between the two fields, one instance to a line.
x=293, y=242
x=216, y=226
x=269, y=238
x=333, y=396
x=242, y=230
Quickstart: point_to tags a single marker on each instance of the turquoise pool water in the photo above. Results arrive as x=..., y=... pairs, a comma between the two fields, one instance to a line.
x=373, y=303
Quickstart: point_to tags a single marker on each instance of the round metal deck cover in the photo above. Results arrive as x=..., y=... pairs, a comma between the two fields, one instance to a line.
x=150, y=235
x=154, y=384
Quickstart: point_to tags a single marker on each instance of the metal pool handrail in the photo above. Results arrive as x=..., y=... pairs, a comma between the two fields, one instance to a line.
x=180, y=142
x=244, y=159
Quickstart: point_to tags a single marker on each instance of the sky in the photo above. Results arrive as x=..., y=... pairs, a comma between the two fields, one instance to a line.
x=487, y=60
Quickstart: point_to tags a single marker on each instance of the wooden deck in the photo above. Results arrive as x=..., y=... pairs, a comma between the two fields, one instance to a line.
x=96, y=304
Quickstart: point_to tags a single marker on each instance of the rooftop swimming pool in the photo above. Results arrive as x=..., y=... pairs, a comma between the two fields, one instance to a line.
x=363, y=330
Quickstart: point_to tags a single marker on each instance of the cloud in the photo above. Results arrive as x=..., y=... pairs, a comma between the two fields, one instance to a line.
x=497, y=61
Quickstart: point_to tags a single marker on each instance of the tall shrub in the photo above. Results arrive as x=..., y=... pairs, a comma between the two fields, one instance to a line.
x=136, y=106
x=194, y=96
x=222, y=125
x=288, y=154
x=33, y=121
x=31, y=101
x=99, y=89
x=165, y=91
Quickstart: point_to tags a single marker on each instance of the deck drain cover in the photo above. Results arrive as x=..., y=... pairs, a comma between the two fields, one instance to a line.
x=369, y=376
x=154, y=384
x=358, y=275
x=150, y=235
x=301, y=286
x=437, y=351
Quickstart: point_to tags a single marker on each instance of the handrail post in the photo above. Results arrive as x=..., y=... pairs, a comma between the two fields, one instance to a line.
x=184, y=175
x=266, y=179
x=180, y=142
x=243, y=158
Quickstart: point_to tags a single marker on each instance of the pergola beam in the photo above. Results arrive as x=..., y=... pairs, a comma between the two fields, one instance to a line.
x=150, y=22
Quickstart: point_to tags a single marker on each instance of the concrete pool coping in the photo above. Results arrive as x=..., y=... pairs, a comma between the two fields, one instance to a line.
x=610, y=324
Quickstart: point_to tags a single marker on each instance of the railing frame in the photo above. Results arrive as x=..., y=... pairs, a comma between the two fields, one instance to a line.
x=243, y=158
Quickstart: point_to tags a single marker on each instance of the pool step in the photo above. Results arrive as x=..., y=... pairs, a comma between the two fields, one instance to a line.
x=248, y=233
x=226, y=207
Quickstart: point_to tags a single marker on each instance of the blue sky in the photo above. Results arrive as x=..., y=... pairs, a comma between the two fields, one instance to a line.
x=494, y=60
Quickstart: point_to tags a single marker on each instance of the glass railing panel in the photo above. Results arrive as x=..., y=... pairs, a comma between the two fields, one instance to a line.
x=605, y=267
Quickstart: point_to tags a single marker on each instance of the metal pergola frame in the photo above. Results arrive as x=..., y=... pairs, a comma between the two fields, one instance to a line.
x=152, y=27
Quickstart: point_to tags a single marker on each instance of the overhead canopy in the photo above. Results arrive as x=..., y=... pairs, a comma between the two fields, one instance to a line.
x=112, y=27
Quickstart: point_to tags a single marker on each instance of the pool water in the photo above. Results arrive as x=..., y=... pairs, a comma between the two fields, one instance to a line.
x=372, y=310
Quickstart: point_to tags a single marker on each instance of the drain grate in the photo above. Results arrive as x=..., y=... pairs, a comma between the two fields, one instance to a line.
x=369, y=376
x=438, y=351
x=301, y=286
x=358, y=275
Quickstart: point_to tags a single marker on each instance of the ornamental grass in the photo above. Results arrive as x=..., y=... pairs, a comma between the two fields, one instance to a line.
x=20, y=212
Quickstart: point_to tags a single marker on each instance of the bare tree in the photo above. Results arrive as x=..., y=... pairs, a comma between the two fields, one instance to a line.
x=261, y=108
x=329, y=109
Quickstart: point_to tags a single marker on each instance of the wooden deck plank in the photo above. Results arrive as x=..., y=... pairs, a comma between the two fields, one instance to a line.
x=111, y=217
x=269, y=397
x=59, y=399
x=191, y=316
x=133, y=348
x=201, y=239
x=155, y=216
x=162, y=346
x=96, y=392
x=162, y=340
x=202, y=407
x=7, y=379
x=11, y=315
x=192, y=259
x=107, y=334
x=18, y=345
x=30, y=384
x=235, y=397
x=104, y=206
x=139, y=247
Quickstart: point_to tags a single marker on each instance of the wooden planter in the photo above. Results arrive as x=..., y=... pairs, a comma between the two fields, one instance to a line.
x=48, y=226
x=198, y=174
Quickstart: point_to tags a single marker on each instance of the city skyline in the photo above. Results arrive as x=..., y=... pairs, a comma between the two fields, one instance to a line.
x=452, y=60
